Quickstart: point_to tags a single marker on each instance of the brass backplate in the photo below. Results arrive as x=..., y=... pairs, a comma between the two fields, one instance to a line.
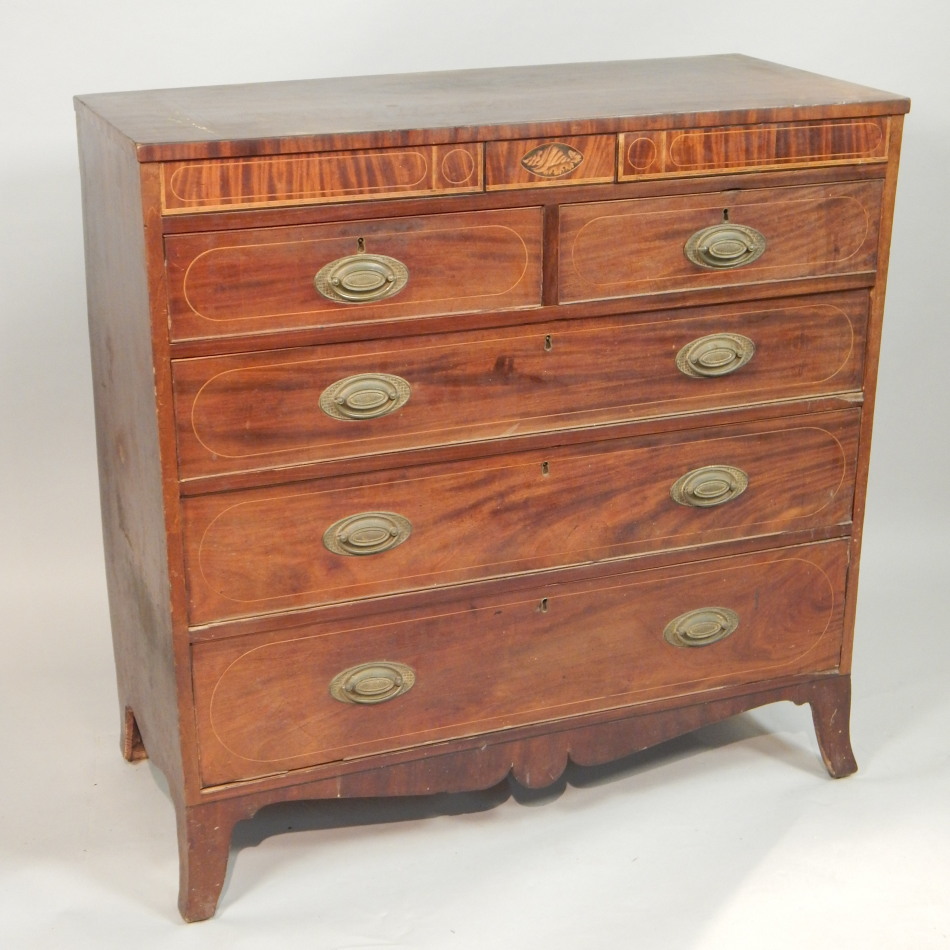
x=365, y=396
x=718, y=354
x=709, y=486
x=361, y=278
x=701, y=627
x=724, y=246
x=370, y=683
x=366, y=533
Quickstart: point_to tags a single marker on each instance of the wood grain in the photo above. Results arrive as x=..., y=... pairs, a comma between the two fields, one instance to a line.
x=249, y=412
x=544, y=429
x=324, y=177
x=260, y=551
x=521, y=102
x=255, y=281
x=265, y=706
x=596, y=157
x=129, y=436
x=875, y=333
x=737, y=148
x=624, y=248
x=205, y=830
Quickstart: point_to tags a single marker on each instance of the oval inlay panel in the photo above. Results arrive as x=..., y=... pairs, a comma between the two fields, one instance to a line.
x=552, y=160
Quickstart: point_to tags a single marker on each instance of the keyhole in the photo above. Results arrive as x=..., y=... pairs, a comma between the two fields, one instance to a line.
x=360, y=246
x=725, y=214
x=548, y=343
x=545, y=468
x=543, y=606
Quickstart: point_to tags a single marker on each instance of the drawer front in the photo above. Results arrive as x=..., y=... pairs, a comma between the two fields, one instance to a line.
x=264, y=704
x=676, y=152
x=249, y=412
x=535, y=163
x=316, y=178
x=639, y=246
x=339, y=539
x=256, y=281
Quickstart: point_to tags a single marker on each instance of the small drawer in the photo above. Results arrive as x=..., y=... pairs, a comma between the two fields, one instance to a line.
x=254, y=411
x=224, y=183
x=534, y=163
x=262, y=550
x=657, y=245
x=677, y=152
x=234, y=283
x=320, y=693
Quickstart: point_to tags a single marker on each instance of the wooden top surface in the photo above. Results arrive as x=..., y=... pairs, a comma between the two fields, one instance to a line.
x=513, y=102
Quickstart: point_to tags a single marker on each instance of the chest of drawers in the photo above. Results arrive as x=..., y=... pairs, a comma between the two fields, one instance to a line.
x=458, y=425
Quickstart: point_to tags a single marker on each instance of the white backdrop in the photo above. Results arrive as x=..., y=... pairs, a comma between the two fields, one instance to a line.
x=745, y=845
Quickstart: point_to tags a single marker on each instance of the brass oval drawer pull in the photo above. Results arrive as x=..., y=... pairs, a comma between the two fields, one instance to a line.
x=361, y=278
x=701, y=627
x=369, y=532
x=725, y=245
x=709, y=486
x=365, y=396
x=371, y=683
x=718, y=354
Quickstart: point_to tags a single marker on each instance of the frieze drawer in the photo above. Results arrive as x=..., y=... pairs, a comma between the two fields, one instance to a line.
x=321, y=177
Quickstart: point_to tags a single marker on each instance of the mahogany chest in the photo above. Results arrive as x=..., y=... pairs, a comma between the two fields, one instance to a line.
x=456, y=425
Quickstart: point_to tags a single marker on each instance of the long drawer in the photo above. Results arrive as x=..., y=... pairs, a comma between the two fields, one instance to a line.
x=254, y=411
x=266, y=279
x=642, y=246
x=314, y=694
x=262, y=550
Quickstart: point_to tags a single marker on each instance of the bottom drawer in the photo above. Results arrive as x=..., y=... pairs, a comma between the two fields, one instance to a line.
x=316, y=694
